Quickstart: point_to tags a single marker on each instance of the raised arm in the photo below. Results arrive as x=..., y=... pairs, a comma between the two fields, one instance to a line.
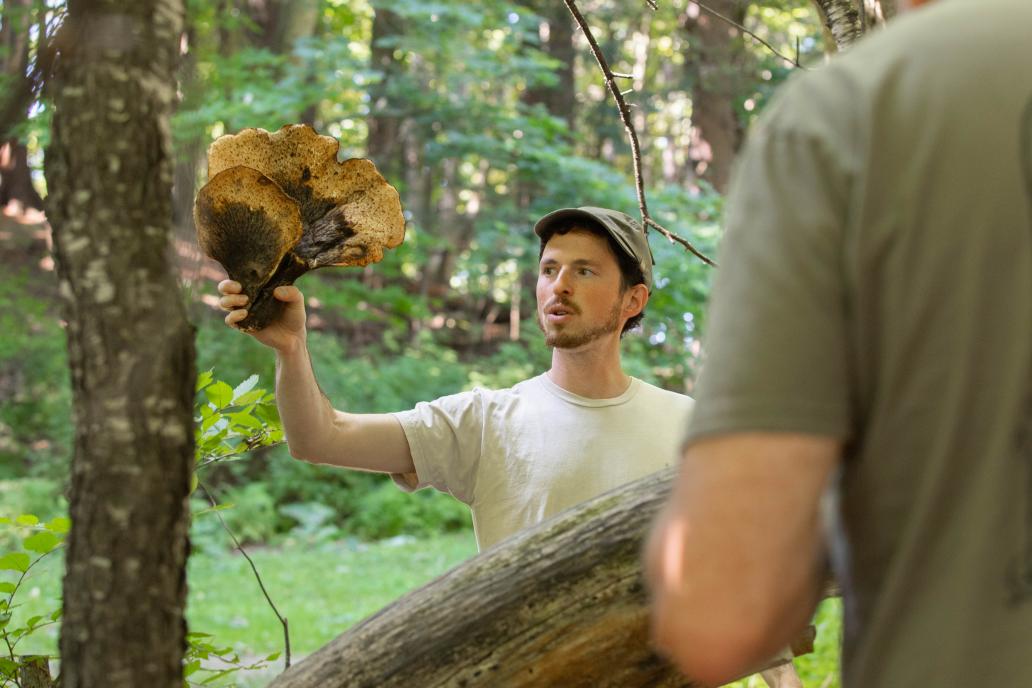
x=315, y=431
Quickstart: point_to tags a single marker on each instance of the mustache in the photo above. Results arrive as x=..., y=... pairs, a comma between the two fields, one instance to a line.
x=568, y=305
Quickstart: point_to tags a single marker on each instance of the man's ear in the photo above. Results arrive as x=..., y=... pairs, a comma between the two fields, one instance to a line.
x=635, y=299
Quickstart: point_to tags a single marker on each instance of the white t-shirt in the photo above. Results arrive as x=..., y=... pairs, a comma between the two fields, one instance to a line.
x=520, y=455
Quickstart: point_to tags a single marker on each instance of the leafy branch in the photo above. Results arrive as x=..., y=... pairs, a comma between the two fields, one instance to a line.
x=232, y=422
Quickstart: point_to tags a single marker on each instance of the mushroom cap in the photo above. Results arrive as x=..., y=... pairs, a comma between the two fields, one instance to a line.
x=349, y=212
x=245, y=221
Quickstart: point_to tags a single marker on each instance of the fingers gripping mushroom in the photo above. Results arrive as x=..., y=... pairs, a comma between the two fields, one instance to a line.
x=280, y=204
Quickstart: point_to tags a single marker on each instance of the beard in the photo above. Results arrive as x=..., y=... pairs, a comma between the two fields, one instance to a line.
x=574, y=339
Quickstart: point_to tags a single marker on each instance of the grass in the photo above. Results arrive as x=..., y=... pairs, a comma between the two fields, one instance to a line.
x=324, y=589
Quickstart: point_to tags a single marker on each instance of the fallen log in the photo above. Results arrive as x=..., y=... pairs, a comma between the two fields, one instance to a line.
x=562, y=604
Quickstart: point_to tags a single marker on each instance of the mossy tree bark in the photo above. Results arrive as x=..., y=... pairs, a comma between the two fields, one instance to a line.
x=131, y=353
x=562, y=604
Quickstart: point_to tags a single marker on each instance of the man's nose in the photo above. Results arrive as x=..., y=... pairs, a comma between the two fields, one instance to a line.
x=563, y=284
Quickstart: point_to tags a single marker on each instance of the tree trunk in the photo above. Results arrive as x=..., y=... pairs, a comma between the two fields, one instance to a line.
x=16, y=177
x=385, y=144
x=109, y=174
x=714, y=56
x=562, y=604
x=35, y=672
x=16, y=19
x=556, y=34
x=16, y=92
x=842, y=19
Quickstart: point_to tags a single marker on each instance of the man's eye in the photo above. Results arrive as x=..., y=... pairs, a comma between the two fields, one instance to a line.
x=547, y=271
x=587, y=271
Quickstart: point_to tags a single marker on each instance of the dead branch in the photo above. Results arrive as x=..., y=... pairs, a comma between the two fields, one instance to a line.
x=632, y=134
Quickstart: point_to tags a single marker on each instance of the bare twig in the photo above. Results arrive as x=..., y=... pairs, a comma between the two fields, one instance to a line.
x=671, y=237
x=632, y=134
x=732, y=22
x=236, y=543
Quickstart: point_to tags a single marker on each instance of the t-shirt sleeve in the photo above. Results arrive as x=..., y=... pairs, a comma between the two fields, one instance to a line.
x=445, y=437
x=776, y=354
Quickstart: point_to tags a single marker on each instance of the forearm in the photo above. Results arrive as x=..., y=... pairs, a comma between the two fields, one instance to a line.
x=736, y=560
x=318, y=433
x=309, y=420
x=716, y=617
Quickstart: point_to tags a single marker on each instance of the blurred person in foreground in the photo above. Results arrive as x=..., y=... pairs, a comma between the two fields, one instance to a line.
x=867, y=392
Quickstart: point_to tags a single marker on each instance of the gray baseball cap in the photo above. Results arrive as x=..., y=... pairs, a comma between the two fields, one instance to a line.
x=622, y=227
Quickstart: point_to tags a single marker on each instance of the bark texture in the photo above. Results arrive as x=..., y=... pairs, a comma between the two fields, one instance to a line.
x=131, y=351
x=842, y=19
x=563, y=604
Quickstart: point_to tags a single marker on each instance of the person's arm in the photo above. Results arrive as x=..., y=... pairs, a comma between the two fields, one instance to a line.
x=735, y=561
x=314, y=430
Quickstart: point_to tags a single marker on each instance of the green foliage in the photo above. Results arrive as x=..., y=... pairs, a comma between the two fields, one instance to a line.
x=205, y=663
x=38, y=539
x=386, y=511
x=231, y=421
x=35, y=435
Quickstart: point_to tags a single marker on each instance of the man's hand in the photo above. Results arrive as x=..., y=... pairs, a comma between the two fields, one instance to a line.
x=286, y=334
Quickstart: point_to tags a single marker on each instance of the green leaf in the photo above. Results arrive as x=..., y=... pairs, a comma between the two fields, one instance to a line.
x=59, y=525
x=273, y=657
x=243, y=388
x=6, y=587
x=204, y=379
x=15, y=561
x=31, y=623
x=220, y=394
x=42, y=542
x=250, y=398
x=56, y=614
x=197, y=634
x=8, y=667
x=27, y=520
x=191, y=667
x=218, y=675
x=244, y=419
x=208, y=422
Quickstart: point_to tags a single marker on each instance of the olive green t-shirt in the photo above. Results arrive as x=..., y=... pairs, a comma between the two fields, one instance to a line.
x=876, y=286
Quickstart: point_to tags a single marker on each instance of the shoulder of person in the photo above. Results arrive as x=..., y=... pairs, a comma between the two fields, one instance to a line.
x=666, y=395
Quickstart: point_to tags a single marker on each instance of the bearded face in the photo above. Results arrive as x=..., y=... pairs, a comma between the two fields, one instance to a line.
x=573, y=336
x=579, y=293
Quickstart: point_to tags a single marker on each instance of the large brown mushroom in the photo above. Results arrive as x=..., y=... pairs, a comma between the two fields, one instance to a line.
x=277, y=205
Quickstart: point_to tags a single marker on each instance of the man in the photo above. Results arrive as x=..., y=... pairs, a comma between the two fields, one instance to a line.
x=515, y=456
x=871, y=329
x=521, y=455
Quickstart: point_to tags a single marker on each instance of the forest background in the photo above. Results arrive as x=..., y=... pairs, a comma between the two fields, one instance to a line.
x=485, y=116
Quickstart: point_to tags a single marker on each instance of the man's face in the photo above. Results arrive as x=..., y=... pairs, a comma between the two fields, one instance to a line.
x=578, y=290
